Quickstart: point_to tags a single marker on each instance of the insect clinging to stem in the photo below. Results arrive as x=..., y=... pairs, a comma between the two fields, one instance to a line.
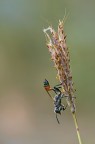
x=57, y=100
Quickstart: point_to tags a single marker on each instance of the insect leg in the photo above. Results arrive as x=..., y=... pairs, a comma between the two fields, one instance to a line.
x=68, y=96
x=58, y=86
x=63, y=107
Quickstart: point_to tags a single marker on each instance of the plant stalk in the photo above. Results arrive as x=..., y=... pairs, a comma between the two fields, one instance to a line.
x=77, y=128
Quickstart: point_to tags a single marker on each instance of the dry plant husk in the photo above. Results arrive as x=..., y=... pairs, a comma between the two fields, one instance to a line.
x=56, y=43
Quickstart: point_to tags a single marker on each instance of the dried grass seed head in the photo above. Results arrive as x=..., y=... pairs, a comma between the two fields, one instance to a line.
x=56, y=43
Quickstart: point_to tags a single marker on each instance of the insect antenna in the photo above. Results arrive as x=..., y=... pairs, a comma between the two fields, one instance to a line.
x=49, y=95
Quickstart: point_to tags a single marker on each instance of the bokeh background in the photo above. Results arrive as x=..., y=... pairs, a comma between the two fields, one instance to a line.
x=26, y=111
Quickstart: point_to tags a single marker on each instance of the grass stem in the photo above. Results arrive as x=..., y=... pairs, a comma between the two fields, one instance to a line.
x=77, y=128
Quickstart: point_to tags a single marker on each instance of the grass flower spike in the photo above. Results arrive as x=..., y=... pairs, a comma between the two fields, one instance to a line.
x=56, y=43
x=57, y=47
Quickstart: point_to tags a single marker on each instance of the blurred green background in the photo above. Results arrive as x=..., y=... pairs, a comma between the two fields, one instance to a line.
x=26, y=112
